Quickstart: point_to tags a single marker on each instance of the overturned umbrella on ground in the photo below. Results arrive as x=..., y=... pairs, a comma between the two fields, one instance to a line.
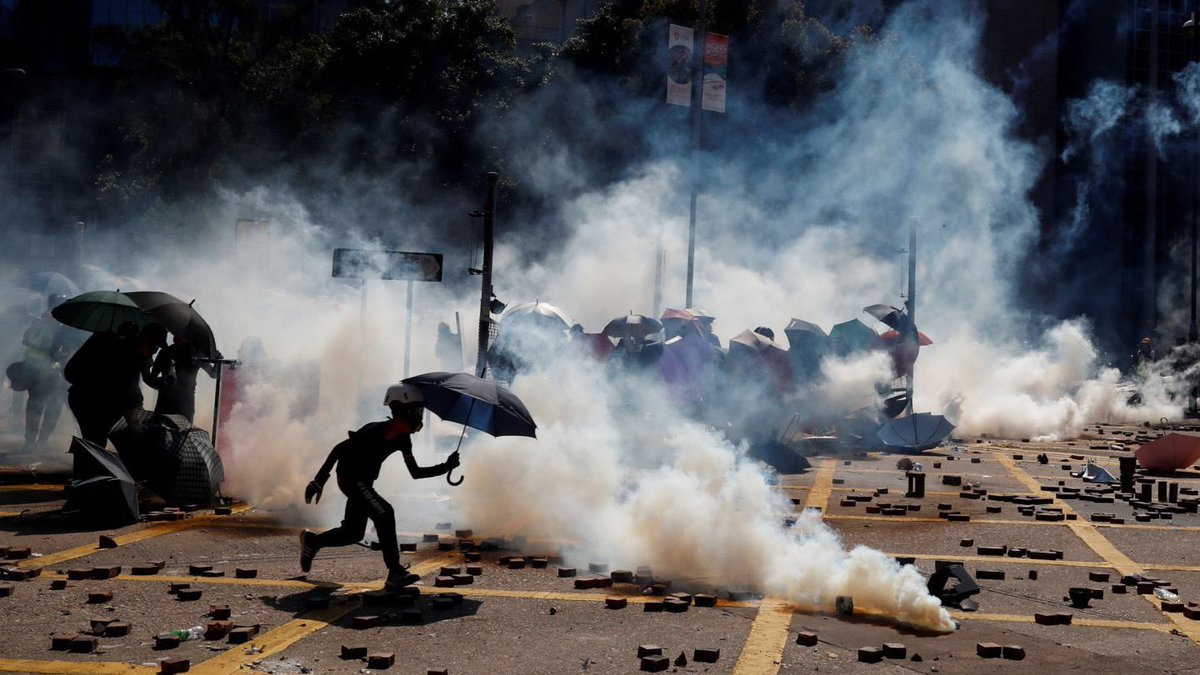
x=175, y=459
x=1092, y=473
x=101, y=488
x=474, y=402
x=915, y=432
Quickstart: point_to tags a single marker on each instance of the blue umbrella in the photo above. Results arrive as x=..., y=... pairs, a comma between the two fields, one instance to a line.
x=474, y=402
x=916, y=432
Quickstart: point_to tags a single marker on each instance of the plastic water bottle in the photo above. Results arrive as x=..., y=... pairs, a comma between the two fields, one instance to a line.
x=1164, y=594
x=185, y=634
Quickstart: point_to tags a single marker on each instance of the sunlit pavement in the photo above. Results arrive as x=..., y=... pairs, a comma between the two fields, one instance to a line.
x=532, y=620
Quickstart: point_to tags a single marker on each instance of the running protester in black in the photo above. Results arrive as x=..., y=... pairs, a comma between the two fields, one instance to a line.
x=358, y=460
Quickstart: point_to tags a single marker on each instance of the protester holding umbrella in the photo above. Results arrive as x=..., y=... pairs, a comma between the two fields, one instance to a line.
x=358, y=460
x=175, y=371
x=106, y=375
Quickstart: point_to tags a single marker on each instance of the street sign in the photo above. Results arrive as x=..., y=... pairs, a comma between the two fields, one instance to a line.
x=357, y=263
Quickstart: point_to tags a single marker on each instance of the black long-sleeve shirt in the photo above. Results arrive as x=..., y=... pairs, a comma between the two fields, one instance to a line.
x=360, y=457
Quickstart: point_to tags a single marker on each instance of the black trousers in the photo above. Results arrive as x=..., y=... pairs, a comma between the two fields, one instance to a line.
x=364, y=503
x=95, y=413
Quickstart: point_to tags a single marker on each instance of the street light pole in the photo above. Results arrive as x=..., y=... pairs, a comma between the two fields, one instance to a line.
x=485, y=303
x=1190, y=29
x=697, y=116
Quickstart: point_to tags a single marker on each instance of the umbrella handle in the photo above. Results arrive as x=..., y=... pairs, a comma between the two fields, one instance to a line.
x=453, y=482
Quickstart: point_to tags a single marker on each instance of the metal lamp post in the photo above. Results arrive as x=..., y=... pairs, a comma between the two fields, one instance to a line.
x=1190, y=30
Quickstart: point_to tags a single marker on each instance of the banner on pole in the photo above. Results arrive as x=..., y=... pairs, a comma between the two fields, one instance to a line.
x=679, y=66
x=716, y=72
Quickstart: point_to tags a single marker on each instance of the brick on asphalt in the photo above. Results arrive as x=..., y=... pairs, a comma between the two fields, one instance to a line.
x=174, y=665
x=61, y=643
x=117, y=629
x=365, y=621
x=188, y=594
x=58, y=584
x=354, y=652
x=621, y=576
x=706, y=655
x=806, y=638
x=649, y=650
x=381, y=660
x=463, y=579
x=166, y=641
x=895, y=650
x=107, y=572
x=449, y=571
x=219, y=611
x=143, y=570
x=615, y=602
x=539, y=563
x=655, y=663
x=199, y=569
x=107, y=542
x=870, y=654
x=704, y=600
x=79, y=575
x=215, y=630
x=988, y=650
x=1012, y=652
x=242, y=634
x=245, y=573
x=84, y=644
x=98, y=597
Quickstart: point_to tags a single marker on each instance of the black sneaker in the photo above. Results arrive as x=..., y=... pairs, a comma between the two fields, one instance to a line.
x=308, y=549
x=399, y=578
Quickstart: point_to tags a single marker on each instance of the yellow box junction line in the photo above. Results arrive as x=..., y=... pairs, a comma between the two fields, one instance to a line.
x=72, y=667
x=764, y=646
x=1102, y=546
x=140, y=534
x=281, y=638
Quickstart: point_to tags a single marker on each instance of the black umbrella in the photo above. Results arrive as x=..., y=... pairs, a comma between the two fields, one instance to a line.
x=175, y=459
x=474, y=402
x=636, y=326
x=889, y=315
x=915, y=432
x=179, y=318
x=101, y=488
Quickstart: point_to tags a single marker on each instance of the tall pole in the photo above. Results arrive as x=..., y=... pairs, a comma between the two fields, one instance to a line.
x=485, y=302
x=408, y=324
x=697, y=109
x=911, y=305
x=1190, y=28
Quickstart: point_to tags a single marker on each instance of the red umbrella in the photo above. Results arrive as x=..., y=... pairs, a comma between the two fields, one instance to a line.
x=1171, y=452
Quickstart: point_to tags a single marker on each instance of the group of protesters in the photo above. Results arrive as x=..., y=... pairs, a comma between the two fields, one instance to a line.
x=99, y=376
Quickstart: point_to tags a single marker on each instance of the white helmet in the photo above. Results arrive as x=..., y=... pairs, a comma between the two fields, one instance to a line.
x=403, y=394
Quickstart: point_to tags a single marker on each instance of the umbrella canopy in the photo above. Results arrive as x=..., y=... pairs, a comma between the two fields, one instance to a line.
x=538, y=311
x=101, y=488
x=677, y=314
x=100, y=312
x=889, y=315
x=1173, y=451
x=636, y=326
x=750, y=347
x=853, y=336
x=916, y=432
x=175, y=459
x=475, y=402
x=179, y=318
x=893, y=336
x=700, y=314
x=799, y=329
x=46, y=284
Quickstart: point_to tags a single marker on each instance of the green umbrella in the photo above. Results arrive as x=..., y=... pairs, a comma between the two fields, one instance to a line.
x=100, y=311
x=853, y=336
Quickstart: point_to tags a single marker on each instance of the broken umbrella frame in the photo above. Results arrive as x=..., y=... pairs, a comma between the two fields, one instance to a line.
x=474, y=402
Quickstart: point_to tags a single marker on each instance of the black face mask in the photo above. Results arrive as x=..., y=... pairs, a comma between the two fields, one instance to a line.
x=414, y=415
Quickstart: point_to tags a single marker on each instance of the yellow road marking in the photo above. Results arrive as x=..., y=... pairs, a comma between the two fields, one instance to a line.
x=32, y=487
x=1105, y=548
x=764, y=647
x=822, y=487
x=1005, y=560
x=1003, y=521
x=281, y=638
x=763, y=651
x=215, y=581
x=141, y=534
x=1075, y=621
x=70, y=667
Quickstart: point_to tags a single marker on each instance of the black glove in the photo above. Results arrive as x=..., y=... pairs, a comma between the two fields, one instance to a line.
x=312, y=493
x=452, y=462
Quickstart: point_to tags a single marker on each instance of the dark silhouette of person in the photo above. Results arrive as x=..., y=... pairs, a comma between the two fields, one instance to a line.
x=106, y=375
x=359, y=459
x=47, y=344
x=174, y=372
x=448, y=348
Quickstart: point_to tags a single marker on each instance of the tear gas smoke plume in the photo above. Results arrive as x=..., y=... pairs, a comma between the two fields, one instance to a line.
x=623, y=472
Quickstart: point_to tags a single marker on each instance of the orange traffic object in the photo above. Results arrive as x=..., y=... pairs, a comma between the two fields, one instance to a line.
x=1171, y=452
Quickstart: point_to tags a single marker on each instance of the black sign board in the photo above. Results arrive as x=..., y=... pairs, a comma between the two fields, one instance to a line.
x=356, y=263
